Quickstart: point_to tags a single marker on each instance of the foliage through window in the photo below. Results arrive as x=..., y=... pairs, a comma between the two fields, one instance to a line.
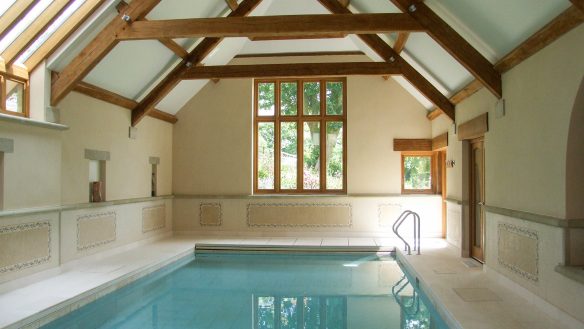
x=300, y=136
x=13, y=96
x=308, y=312
x=417, y=173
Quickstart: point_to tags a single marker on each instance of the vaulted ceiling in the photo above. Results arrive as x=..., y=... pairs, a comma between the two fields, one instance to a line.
x=436, y=66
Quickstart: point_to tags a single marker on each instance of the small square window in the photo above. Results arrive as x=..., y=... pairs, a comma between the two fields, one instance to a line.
x=417, y=173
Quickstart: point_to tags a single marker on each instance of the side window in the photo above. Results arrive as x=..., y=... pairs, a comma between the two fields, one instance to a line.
x=417, y=172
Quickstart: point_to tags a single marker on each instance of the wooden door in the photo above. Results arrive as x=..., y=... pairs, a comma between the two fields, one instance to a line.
x=477, y=199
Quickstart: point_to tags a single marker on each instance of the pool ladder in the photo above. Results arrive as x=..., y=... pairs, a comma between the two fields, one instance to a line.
x=414, y=307
x=400, y=220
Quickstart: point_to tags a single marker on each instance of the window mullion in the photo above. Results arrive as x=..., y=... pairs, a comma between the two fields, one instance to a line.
x=322, y=136
x=300, y=142
x=277, y=151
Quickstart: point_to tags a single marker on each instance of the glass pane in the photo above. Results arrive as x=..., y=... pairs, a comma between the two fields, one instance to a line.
x=335, y=312
x=288, y=155
x=288, y=98
x=266, y=99
x=288, y=313
x=334, y=155
x=417, y=172
x=265, y=313
x=311, y=97
x=311, y=159
x=311, y=313
x=24, y=23
x=14, y=96
x=265, y=155
x=334, y=98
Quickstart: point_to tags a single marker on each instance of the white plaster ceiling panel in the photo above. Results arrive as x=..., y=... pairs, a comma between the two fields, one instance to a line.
x=175, y=9
x=413, y=91
x=308, y=45
x=437, y=61
x=180, y=95
x=130, y=66
x=501, y=24
x=374, y=6
x=227, y=49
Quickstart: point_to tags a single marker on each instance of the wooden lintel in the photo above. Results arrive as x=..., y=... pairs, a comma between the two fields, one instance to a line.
x=400, y=42
x=290, y=70
x=412, y=145
x=195, y=57
x=474, y=128
x=456, y=45
x=388, y=54
x=119, y=100
x=96, y=50
x=270, y=26
x=440, y=142
x=563, y=23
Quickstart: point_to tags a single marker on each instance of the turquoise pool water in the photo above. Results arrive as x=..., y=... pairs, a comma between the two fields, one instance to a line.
x=268, y=291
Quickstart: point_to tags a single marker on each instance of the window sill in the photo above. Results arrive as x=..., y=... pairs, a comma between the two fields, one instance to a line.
x=31, y=122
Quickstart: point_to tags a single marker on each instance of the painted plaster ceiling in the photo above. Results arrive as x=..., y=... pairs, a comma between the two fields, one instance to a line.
x=493, y=27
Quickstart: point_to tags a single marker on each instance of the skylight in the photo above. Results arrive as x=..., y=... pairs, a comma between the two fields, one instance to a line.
x=4, y=5
x=52, y=28
x=24, y=23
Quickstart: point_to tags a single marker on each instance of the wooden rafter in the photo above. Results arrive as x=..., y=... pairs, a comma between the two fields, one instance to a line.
x=400, y=42
x=195, y=57
x=270, y=26
x=290, y=70
x=14, y=14
x=578, y=4
x=29, y=35
x=167, y=42
x=232, y=4
x=389, y=55
x=15, y=71
x=96, y=50
x=563, y=23
x=62, y=33
x=119, y=100
x=302, y=37
x=457, y=46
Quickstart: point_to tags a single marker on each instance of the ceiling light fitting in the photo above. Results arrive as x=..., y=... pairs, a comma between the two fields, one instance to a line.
x=126, y=18
x=412, y=8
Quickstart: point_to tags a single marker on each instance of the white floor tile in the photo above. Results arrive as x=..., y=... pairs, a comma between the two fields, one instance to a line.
x=308, y=242
x=362, y=242
x=334, y=242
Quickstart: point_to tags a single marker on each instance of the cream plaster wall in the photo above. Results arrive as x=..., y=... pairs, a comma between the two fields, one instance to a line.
x=32, y=173
x=98, y=125
x=526, y=149
x=213, y=137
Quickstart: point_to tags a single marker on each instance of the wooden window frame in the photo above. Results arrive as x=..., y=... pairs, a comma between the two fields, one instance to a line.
x=432, y=188
x=3, y=95
x=299, y=118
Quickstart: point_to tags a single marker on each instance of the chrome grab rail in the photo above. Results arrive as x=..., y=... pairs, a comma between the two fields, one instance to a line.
x=397, y=289
x=404, y=215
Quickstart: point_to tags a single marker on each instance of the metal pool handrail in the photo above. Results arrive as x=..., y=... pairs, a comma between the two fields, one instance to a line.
x=404, y=215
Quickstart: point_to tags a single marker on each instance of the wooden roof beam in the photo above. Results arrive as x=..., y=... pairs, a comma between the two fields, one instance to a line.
x=270, y=26
x=232, y=4
x=14, y=14
x=119, y=100
x=97, y=49
x=34, y=30
x=195, y=57
x=389, y=55
x=563, y=23
x=578, y=4
x=400, y=42
x=290, y=70
x=451, y=41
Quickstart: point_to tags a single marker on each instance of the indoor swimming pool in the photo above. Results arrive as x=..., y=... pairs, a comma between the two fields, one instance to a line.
x=265, y=291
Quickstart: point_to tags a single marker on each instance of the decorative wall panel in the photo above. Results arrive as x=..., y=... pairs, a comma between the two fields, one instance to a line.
x=518, y=250
x=24, y=245
x=210, y=214
x=153, y=218
x=299, y=215
x=95, y=230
